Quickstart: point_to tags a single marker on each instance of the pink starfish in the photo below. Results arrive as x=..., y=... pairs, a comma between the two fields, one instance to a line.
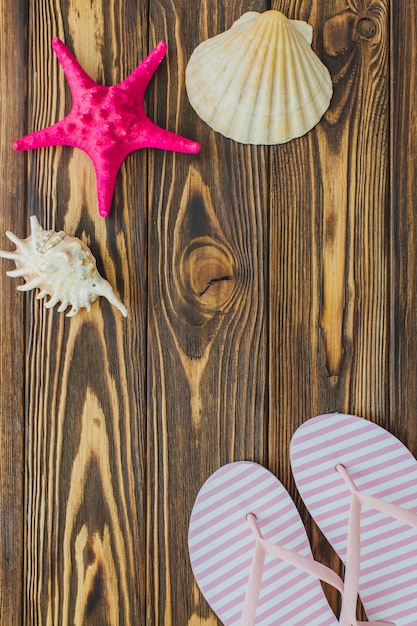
x=107, y=122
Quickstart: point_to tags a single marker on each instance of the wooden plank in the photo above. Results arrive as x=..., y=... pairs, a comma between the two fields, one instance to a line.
x=329, y=272
x=207, y=342
x=403, y=170
x=12, y=321
x=85, y=423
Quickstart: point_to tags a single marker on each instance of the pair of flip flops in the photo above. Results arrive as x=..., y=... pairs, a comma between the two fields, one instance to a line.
x=249, y=549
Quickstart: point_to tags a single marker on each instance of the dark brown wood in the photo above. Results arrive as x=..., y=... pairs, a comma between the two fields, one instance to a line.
x=85, y=423
x=13, y=50
x=207, y=342
x=329, y=272
x=264, y=285
x=402, y=211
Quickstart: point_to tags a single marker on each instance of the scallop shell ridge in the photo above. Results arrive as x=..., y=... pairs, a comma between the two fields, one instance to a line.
x=259, y=82
x=61, y=267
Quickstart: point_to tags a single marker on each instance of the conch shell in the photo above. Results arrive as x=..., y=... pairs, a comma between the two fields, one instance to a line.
x=61, y=267
x=259, y=82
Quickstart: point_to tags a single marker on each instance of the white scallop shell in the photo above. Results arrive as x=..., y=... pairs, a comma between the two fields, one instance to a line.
x=259, y=82
x=61, y=267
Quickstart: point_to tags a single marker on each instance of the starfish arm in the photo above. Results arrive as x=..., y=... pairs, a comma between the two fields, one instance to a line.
x=55, y=135
x=106, y=168
x=76, y=76
x=157, y=137
x=140, y=78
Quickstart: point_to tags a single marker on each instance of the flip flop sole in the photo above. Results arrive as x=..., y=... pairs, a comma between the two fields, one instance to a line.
x=380, y=466
x=221, y=547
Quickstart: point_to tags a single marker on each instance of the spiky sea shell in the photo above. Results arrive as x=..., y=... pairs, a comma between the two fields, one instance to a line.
x=259, y=82
x=61, y=267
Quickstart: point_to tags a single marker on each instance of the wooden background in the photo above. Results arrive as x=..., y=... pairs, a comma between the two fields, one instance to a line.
x=110, y=426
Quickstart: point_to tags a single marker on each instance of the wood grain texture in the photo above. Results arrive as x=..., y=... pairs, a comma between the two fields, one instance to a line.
x=12, y=319
x=330, y=335
x=85, y=419
x=264, y=285
x=207, y=342
x=402, y=215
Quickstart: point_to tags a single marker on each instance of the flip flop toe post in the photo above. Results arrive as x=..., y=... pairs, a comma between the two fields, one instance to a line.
x=243, y=582
x=360, y=485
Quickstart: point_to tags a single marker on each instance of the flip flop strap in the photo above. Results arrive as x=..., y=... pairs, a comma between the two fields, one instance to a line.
x=352, y=571
x=303, y=563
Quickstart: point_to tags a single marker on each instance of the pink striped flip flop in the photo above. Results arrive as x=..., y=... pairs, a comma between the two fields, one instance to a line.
x=360, y=485
x=250, y=553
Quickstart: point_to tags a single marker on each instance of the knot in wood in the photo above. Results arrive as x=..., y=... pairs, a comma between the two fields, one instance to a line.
x=366, y=28
x=207, y=268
